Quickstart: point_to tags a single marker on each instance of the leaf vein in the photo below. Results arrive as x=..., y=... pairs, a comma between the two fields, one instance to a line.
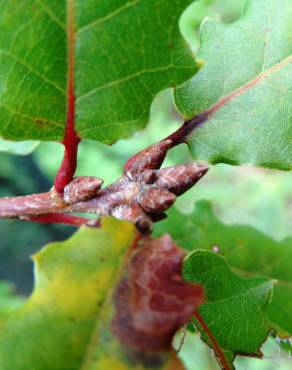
x=123, y=80
x=51, y=15
x=28, y=67
x=108, y=16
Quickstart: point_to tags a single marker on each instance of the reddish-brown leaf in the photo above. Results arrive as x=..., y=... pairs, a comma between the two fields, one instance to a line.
x=152, y=301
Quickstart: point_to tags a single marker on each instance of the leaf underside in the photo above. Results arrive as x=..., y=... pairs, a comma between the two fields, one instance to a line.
x=126, y=51
x=245, y=87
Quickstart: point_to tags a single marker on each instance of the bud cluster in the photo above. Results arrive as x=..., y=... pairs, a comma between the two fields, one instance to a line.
x=142, y=194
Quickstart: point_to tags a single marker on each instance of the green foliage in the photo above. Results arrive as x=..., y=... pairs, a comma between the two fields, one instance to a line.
x=235, y=308
x=245, y=85
x=125, y=52
x=248, y=251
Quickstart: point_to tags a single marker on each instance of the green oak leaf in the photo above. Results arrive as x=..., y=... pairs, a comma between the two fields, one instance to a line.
x=245, y=88
x=248, y=251
x=126, y=51
x=65, y=324
x=235, y=308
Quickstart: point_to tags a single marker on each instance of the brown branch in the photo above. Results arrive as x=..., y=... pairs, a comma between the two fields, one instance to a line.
x=140, y=195
x=61, y=218
x=33, y=204
x=52, y=202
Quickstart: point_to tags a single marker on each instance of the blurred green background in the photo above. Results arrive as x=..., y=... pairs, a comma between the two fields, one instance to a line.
x=245, y=195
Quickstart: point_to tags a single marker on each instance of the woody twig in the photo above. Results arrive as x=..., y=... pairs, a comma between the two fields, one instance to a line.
x=142, y=194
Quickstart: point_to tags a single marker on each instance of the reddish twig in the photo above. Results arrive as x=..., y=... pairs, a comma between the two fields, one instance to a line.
x=33, y=204
x=218, y=351
x=140, y=195
x=71, y=139
x=61, y=218
x=181, y=134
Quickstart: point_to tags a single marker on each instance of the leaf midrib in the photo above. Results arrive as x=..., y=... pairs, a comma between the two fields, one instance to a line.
x=248, y=85
x=192, y=121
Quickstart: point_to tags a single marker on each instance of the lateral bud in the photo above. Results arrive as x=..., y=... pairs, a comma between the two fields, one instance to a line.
x=81, y=189
x=148, y=159
x=178, y=179
x=155, y=200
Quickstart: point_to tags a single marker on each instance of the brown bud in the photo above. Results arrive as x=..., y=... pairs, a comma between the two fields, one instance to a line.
x=148, y=159
x=148, y=176
x=82, y=188
x=179, y=179
x=156, y=200
x=144, y=225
